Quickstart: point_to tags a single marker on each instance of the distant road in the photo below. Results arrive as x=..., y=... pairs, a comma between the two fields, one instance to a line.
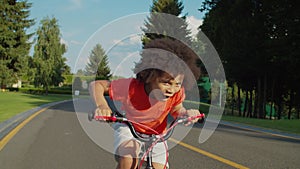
x=55, y=140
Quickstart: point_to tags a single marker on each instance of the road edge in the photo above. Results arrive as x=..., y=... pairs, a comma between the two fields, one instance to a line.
x=8, y=125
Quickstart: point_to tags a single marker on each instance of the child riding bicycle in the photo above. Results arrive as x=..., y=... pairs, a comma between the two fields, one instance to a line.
x=167, y=68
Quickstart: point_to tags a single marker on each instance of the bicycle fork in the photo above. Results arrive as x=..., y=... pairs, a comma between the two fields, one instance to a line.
x=149, y=155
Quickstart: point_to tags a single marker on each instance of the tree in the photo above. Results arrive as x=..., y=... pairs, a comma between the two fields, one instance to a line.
x=80, y=72
x=234, y=27
x=14, y=41
x=257, y=43
x=165, y=20
x=48, y=55
x=77, y=84
x=98, y=64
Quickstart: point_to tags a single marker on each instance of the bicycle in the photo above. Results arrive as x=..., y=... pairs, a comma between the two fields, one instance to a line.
x=150, y=140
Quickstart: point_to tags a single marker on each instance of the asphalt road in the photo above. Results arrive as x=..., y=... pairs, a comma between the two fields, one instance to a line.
x=60, y=138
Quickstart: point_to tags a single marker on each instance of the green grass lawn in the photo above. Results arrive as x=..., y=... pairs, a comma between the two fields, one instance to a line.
x=290, y=126
x=13, y=103
x=285, y=125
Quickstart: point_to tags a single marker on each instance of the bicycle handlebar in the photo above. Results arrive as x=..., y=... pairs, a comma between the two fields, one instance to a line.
x=112, y=118
x=117, y=117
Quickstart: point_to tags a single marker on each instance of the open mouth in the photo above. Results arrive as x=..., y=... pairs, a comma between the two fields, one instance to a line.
x=167, y=96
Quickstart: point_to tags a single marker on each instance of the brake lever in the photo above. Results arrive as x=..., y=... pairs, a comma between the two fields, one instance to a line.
x=91, y=116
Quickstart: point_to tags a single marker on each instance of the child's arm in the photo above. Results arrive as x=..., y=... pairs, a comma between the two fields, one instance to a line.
x=97, y=90
x=180, y=110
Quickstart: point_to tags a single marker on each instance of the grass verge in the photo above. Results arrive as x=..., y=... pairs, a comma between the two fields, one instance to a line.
x=13, y=103
x=285, y=125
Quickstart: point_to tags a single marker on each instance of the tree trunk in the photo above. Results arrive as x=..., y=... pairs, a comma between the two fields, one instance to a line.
x=280, y=107
x=298, y=112
x=46, y=90
x=278, y=100
x=258, y=99
x=239, y=101
x=263, y=113
x=249, y=114
x=246, y=104
x=272, y=98
x=233, y=100
x=255, y=108
x=291, y=104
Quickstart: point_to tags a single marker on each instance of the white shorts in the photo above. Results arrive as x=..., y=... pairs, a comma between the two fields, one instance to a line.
x=122, y=133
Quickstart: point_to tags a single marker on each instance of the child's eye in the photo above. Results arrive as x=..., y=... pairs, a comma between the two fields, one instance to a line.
x=166, y=83
x=178, y=84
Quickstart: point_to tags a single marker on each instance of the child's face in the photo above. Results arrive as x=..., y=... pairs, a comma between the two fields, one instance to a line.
x=165, y=86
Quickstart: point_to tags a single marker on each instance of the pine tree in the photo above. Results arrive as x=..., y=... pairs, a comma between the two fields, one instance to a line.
x=165, y=20
x=14, y=41
x=98, y=64
x=48, y=54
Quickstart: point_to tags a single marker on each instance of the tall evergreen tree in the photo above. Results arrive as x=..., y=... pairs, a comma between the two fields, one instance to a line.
x=165, y=20
x=48, y=54
x=14, y=41
x=98, y=64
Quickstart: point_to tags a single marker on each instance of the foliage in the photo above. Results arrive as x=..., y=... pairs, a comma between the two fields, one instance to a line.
x=48, y=60
x=80, y=72
x=14, y=41
x=257, y=41
x=68, y=79
x=41, y=91
x=162, y=22
x=98, y=64
x=77, y=84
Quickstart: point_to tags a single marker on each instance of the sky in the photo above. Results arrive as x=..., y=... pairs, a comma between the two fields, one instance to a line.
x=112, y=23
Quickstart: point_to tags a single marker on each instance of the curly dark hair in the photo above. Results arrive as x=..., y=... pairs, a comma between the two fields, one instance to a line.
x=167, y=55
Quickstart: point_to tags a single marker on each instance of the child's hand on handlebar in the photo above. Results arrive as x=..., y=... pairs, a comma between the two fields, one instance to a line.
x=192, y=113
x=102, y=111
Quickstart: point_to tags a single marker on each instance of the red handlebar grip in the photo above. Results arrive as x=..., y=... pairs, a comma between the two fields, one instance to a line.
x=201, y=115
x=106, y=118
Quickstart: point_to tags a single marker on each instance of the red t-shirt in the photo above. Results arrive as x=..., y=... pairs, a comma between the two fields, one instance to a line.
x=150, y=114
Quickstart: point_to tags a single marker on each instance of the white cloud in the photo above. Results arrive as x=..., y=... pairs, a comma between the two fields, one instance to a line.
x=74, y=42
x=75, y=4
x=131, y=40
x=135, y=39
x=193, y=24
x=118, y=42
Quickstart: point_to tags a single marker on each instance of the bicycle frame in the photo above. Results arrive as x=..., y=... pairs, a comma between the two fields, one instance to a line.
x=152, y=139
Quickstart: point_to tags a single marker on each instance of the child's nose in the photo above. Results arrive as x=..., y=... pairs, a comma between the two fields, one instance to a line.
x=171, y=90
